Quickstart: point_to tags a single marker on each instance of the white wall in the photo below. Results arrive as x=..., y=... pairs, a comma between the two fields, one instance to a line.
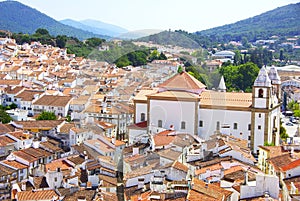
x=173, y=113
x=259, y=133
x=134, y=181
x=139, y=109
x=210, y=117
x=293, y=172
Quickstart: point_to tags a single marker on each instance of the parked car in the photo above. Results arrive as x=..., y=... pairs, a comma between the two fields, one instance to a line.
x=289, y=124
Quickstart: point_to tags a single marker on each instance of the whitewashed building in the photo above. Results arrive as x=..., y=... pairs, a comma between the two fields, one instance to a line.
x=183, y=103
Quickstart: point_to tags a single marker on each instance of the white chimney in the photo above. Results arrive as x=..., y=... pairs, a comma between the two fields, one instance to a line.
x=135, y=151
x=113, y=140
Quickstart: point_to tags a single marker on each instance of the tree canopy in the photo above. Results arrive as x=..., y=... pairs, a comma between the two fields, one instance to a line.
x=239, y=77
x=46, y=116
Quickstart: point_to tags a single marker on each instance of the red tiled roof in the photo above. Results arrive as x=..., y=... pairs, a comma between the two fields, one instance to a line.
x=37, y=195
x=139, y=125
x=182, y=81
x=179, y=166
x=292, y=165
x=164, y=138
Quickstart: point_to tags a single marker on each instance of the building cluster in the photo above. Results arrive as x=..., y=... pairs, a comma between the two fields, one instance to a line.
x=143, y=133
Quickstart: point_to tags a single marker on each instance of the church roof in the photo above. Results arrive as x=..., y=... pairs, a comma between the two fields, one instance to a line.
x=182, y=81
x=263, y=79
x=175, y=95
x=215, y=99
x=222, y=85
x=273, y=75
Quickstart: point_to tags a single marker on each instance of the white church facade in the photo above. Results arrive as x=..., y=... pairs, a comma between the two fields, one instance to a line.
x=183, y=103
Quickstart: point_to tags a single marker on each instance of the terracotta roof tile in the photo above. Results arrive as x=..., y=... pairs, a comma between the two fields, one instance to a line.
x=54, y=165
x=203, y=191
x=56, y=101
x=4, y=141
x=15, y=164
x=37, y=195
x=179, y=166
x=225, y=99
x=42, y=124
x=182, y=81
x=164, y=138
x=280, y=161
x=291, y=165
x=29, y=95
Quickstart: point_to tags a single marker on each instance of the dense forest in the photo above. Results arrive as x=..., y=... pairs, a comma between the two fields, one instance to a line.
x=283, y=21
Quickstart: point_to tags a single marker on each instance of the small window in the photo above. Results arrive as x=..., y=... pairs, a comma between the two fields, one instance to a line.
x=259, y=127
x=259, y=115
x=55, y=179
x=183, y=125
x=200, y=123
x=249, y=127
x=235, y=125
x=249, y=137
x=143, y=117
x=159, y=123
x=260, y=93
x=218, y=125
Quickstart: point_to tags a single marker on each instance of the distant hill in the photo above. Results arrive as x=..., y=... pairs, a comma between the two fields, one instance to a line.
x=96, y=27
x=282, y=21
x=170, y=38
x=139, y=33
x=17, y=17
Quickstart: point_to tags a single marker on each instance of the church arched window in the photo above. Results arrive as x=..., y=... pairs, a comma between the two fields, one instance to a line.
x=183, y=125
x=260, y=93
x=159, y=123
x=143, y=117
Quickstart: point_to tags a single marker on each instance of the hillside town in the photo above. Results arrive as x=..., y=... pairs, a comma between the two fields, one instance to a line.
x=141, y=133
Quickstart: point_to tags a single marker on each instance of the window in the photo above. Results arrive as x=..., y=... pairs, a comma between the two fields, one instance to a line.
x=259, y=127
x=235, y=125
x=260, y=93
x=142, y=116
x=218, y=125
x=159, y=123
x=249, y=127
x=55, y=179
x=183, y=125
x=259, y=115
x=200, y=123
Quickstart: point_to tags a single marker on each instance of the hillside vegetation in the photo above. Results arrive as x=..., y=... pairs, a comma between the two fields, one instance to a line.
x=16, y=17
x=283, y=21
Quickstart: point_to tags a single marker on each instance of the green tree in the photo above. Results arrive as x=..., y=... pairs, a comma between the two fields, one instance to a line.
x=283, y=134
x=61, y=41
x=240, y=77
x=42, y=31
x=46, y=116
x=281, y=56
x=162, y=56
x=4, y=117
x=94, y=42
x=180, y=70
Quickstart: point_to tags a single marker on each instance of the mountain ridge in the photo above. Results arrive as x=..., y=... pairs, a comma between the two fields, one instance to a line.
x=282, y=20
x=17, y=17
x=96, y=27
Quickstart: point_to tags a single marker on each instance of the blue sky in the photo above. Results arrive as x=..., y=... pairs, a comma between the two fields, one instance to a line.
x=189, y=15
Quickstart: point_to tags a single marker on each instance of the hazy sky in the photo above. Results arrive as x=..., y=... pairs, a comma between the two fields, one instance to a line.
x=189, y=15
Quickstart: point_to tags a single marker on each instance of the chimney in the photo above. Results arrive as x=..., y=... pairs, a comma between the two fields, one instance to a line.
x=222, y=173
x=292, y=153
x=141, y=182
x=135, y=151
x=113, y=140
x=246, y=177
